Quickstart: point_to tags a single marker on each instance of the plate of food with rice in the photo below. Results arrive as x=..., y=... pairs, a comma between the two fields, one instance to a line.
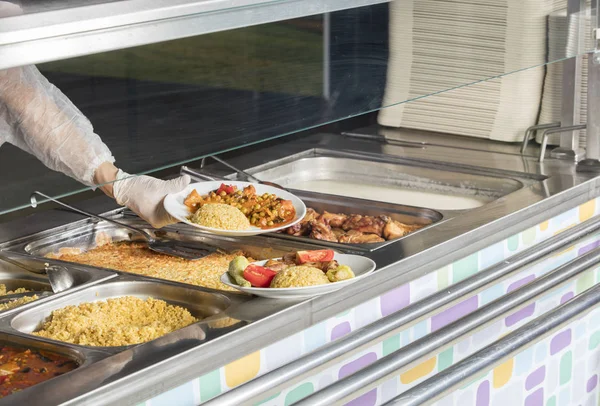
x=235, y=208
x=297, y=275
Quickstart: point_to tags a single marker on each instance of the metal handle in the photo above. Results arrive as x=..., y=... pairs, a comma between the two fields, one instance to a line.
x=558, y=130
x=355, y=342
x=406, y=357
x=197, y=175
x=530, y=132
x=34, y=204
x=19, y=264
x=498, y=352
x=246, y=174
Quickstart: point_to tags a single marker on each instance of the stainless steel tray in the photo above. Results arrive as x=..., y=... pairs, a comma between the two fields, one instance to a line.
x=201, y=304
x=102, y=364
x=86, y=234
x=348, y=205
x=385, y=170
x=14, y=277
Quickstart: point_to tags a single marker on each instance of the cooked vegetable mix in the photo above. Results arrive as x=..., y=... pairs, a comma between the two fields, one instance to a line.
x=297, y=269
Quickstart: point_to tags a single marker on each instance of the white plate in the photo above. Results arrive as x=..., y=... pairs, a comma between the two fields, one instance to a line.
x=174, y=205
x=361, y=266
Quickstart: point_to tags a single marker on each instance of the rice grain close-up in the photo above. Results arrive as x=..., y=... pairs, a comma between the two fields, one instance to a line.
x=115, y=322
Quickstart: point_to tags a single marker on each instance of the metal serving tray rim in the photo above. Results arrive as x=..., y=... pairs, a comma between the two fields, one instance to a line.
x=7, y=320
x=365, y=247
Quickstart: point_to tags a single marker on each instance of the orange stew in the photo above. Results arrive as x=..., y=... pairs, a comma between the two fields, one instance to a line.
x=21, y=368
x=263, y=211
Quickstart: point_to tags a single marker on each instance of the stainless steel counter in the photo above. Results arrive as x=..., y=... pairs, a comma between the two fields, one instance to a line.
x=544, y=191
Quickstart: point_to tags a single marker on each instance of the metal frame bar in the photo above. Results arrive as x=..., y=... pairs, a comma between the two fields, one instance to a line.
x=592, y=161
x=323, y=358
x=68, y=33
x=571, y=86
x=498, y=352
x=406, y=357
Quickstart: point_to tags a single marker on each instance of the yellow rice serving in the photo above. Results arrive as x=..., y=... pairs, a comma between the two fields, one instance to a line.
x=4, y=292
x=122, y=321
x=17, y=302
x=136, y=258
x=299, y=276
x=221, y=216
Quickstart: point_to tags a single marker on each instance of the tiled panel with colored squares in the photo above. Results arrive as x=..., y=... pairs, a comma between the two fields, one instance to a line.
x=561, y=370
x=216, y=382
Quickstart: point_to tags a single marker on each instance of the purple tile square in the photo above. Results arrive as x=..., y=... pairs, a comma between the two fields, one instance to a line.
x=536, y=398
x=521, y=282
x=589, y=247
x=357, y=365
x=592, y=383
x=483, y=394
x=520, y=315
x=340, y=330
x=395, y=299
x=560, y=341
x=566, y=297
x=368, y=399
x=454, y=313
x=535, y=378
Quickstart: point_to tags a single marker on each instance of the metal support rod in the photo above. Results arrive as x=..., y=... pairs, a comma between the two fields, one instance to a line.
x=530, y=132
x=571, y=82
x=498, y=352
x=568, y=130
x=328, y=355
x=377, y=373
x=592, y=161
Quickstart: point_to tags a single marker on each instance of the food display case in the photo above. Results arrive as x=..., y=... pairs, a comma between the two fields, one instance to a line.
x=422, y=113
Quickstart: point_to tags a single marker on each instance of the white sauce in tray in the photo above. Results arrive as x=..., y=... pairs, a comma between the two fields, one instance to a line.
x=392, y=194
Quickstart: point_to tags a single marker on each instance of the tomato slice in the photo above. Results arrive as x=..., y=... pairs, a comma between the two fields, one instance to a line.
x=303, y=257
x=229, y=189
x=259, y=276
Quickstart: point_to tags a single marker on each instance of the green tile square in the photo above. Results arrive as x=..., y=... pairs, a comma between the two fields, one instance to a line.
x=391, y=344
x=210, y=385
x=465, y=267
x=566, y=368
x=445, y=359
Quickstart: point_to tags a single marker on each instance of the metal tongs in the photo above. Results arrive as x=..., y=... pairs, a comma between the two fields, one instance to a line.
x=173, y=248
x=251, y=178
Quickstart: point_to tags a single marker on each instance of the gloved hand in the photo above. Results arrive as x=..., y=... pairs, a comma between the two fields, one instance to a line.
x=142, y=194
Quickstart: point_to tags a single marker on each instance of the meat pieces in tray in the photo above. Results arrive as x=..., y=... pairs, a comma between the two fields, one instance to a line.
x=350, y=228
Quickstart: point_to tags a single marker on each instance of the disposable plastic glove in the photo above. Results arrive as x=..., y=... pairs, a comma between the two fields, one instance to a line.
x=38, y=118
x=144, y=195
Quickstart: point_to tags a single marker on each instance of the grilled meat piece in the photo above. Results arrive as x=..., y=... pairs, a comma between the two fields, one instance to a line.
x=356, y=237
x=323, y=266
x=333, y=220
x=395, y=229
x=338, y=232
x=289, y=258
x=276, y=266
x=366, y=224
x=303, y=227
x=321, y=231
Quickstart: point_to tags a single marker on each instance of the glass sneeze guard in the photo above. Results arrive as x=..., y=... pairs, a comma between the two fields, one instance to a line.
x=168, y=103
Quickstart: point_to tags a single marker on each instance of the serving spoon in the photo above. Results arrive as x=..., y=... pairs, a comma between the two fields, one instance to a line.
x=59, y=277
x=169, y=247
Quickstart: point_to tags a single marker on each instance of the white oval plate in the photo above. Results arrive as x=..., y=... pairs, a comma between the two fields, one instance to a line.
x=174, y=206
x=361, y=266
